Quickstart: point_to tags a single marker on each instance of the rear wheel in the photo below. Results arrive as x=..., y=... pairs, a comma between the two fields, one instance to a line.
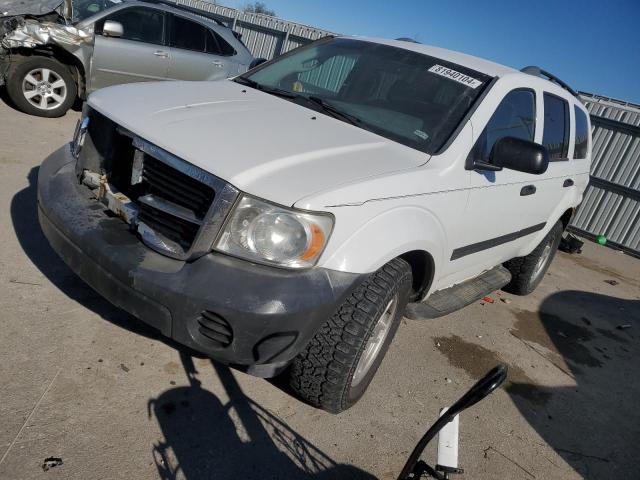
x=527, y=272
x=340, y=361
x=41, y=86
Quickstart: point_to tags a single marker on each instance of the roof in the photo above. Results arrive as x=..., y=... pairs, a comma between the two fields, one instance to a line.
x=479, y=64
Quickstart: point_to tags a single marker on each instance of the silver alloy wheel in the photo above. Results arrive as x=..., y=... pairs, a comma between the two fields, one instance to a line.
x=375, y=342
x=546, y=253
x=44, y=89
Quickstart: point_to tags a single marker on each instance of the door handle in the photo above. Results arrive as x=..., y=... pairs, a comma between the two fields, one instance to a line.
x=568, y=183
x=528, y=190
x=217, y=63
x=161, y=54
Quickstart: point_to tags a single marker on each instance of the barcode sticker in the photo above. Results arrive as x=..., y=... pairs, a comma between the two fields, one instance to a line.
x=456, y=76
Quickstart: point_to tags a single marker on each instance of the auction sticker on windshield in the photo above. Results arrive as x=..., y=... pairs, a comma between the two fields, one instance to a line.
x=457, y=76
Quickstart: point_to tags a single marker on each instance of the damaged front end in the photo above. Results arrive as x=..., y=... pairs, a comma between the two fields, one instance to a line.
x=33, y=24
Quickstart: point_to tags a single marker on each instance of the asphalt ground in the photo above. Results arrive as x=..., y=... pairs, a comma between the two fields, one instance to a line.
x=84, y=382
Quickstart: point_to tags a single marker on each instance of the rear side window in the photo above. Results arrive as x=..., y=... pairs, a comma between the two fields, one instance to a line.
x=188, y=35
x=556, y=127
x=514, y=117
x=140, y=24
x=582, y=134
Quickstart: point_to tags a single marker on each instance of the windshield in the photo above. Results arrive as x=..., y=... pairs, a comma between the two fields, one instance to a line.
x=85, y=8
x=408, y=97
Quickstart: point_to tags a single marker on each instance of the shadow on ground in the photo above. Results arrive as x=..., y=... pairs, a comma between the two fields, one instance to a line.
x=4, y=97
x=594, y=424
x=205, y=438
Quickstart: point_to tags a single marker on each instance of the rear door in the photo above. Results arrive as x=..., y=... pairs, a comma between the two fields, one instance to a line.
x=554, y=186
x=198, y=53
x=139, y=55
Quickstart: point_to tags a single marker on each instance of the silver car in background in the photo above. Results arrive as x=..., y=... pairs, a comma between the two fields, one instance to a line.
x=54, y=52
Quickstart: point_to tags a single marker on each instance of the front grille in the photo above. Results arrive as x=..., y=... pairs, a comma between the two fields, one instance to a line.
x=216, y=330
x=180, y=207
x=178, y=230
x=161, y=180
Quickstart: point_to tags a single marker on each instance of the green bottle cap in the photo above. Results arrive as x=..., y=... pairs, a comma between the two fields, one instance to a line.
x=601, y=239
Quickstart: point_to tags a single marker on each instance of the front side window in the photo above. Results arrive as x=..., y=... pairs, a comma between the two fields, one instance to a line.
x=140, y=24
x=556, y=127
x=582, y=134
x=408, y=97
x=188, y=35
x=514, y=117
x=217, y=45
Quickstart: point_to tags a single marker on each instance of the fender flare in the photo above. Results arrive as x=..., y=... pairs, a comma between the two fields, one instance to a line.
x=389, y=235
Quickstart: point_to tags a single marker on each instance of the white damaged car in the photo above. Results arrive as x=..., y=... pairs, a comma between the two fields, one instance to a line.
x=283, y=222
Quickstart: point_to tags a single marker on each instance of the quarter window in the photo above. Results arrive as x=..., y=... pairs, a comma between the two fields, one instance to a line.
x=188, y=35
x=514, y=117
x=582, y=134
x=556, y=127
x=141, y=24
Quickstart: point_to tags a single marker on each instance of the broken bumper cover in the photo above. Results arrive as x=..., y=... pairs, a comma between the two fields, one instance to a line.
x=256, y=318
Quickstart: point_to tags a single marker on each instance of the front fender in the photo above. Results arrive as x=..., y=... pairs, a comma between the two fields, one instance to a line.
x=388, y=235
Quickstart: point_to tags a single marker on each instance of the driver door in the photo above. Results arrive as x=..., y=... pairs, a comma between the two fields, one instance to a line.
x=139, y=55
x=501, y=211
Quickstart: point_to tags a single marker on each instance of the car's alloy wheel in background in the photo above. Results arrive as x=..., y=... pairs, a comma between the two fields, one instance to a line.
x=41, y=86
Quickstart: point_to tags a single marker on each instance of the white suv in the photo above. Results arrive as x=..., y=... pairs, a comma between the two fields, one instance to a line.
x=285, y=221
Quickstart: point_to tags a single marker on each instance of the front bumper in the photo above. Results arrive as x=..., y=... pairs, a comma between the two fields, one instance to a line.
x=266, y=315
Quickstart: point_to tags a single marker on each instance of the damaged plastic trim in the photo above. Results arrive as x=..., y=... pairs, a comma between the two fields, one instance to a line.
x=122, y=206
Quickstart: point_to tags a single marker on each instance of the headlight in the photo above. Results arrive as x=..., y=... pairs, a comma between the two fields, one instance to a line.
x=267, y=233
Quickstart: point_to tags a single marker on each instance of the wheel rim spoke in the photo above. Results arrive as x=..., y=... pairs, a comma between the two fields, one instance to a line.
x=57, y=98
x=31, y=80
x=30, y=94
x=46, y=73
x=43, y=102
x=58, y=84
x=374, y=343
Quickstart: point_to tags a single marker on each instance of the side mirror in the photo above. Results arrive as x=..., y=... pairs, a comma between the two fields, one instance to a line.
x=112, y=29
x=521, y=155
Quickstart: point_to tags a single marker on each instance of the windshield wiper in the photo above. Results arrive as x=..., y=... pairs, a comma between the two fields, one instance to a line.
x=265, y=88
x=334, y=111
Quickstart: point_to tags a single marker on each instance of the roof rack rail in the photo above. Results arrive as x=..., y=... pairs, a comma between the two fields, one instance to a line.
x=539, y=72
x=407, y=39
x=187, y=8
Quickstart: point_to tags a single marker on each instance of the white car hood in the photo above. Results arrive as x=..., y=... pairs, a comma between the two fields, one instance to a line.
x=261, y=144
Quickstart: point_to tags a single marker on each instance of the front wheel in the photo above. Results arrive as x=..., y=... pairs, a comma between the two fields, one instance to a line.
x=338, y=364
x=527, y=272
x=41, y=86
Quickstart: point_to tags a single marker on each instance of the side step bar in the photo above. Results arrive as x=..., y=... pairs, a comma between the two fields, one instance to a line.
x=444, y=302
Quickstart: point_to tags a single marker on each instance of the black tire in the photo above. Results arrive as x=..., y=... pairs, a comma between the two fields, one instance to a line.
x=17, y=76
x=526, y=275
x=322, y=374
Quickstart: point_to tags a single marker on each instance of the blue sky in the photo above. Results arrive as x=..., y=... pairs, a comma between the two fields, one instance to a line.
x=592, y=45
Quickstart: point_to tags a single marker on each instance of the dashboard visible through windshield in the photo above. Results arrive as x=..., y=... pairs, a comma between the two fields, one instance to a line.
x=83, y=9
x=408, y=97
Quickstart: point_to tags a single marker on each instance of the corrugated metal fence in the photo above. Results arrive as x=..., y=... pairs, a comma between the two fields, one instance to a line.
x=611, y=205
x=266, y=37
